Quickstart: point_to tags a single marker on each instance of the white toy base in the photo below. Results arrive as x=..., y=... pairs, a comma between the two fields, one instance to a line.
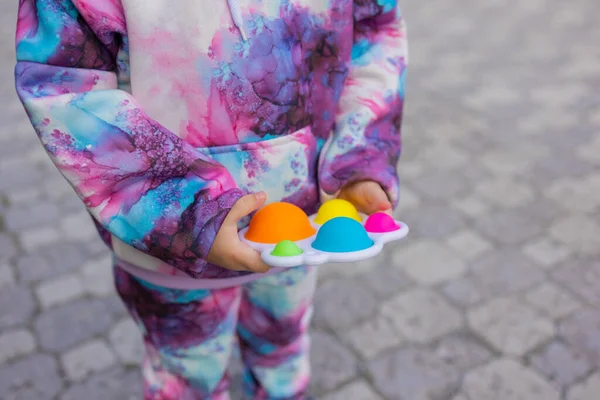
x=311, y=256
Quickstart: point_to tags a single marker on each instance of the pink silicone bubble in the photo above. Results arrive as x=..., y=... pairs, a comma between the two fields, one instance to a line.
x=381, y=223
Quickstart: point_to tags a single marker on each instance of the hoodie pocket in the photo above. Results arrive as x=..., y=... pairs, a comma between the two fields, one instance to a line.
x=284, y=167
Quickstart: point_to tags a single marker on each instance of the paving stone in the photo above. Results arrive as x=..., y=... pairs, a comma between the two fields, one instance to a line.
x=546, y=252
x=511, y=161
x=579, y=232
x=513, y=226
x=64, y=256
x=440, y=185
x=435, y=222
x=557, y=166
x=581, y=277
x=588, y=151
x=8, y=248
x=113, y=384
x=35, y=267
x=18, y=219
x=538, y=121
x=595, y=119
x=504, y=271
x=460, y=397
x=16, y=306
x=421, y=315
x=15, y=343
x=27, y=195
x=492, y=96
x=126, y=340
x=10, y=165
x=78, y=227
x=462, y=352
x=439, y=79
x=50, y=262
x=559, y=95
x=59, y=290
x=358, y=390
x=372, y=337
x=463, y=292
x=411, y=169
x=580, y=67
x=73, y=206
x=57, y=188
x=413, y=373
x=33, y=239
x=471, y=206
x=475, y=174
x=505, y=379
x=587, y=390
x=504, y=192
x=580, y=134
x=88, y=357
x=386, y=281
x=348, y=295
x=581, y=331
x=469, y=243
x=476, y=144
x=428, y=262
x=97, y=276
x=96, y=247
x=408, y=200
x=46, y=166
x=24, y=175
x=114, y=305
x=444, y=157
x=542, y=211
x=64, y=326
x=7, y=275
x=510, y=326
x=335, y=363
x=348, y=270
x=552, y=300
x=559, y=363
x=34, y=377
x=576, y=194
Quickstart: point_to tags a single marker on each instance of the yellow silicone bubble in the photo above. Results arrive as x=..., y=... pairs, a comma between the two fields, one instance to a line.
x=336, y=208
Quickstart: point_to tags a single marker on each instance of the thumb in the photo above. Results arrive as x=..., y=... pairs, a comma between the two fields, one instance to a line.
x=246, y=205
x=375, y=197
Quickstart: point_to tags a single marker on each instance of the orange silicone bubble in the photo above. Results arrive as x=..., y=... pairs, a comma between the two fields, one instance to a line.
x=279, y=221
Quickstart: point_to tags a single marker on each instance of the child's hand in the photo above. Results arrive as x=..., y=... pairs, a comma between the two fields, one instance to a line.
x=367, y=196
x=228, y=251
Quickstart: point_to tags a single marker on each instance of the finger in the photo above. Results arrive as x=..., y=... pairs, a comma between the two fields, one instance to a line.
x=224, y=259
x=252, y=261
x=232, y=266
x=246, y=205
x=368, y=197
x=375, y=196
x=353, y=196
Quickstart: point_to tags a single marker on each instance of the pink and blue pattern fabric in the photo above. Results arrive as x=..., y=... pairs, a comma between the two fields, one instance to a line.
x=160, y=116
x=190, y=334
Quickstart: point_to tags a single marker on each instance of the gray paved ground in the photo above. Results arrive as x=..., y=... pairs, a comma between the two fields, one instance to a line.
x=494, y=297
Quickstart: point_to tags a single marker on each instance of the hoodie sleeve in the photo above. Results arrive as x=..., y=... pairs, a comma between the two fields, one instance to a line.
x=139, y=181
x=365, y=144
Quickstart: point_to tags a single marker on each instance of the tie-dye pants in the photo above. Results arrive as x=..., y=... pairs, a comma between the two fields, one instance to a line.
x=190, y=334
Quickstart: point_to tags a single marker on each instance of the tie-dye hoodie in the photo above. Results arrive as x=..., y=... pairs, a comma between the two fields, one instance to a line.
x=162, y=113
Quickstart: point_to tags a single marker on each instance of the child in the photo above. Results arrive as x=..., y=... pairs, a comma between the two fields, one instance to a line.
x=174, y=120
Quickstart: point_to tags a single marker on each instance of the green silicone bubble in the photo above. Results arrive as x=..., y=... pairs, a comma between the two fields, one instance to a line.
x=286, y=248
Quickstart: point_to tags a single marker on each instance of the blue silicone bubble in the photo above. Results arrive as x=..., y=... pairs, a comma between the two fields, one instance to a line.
x=342, y=235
